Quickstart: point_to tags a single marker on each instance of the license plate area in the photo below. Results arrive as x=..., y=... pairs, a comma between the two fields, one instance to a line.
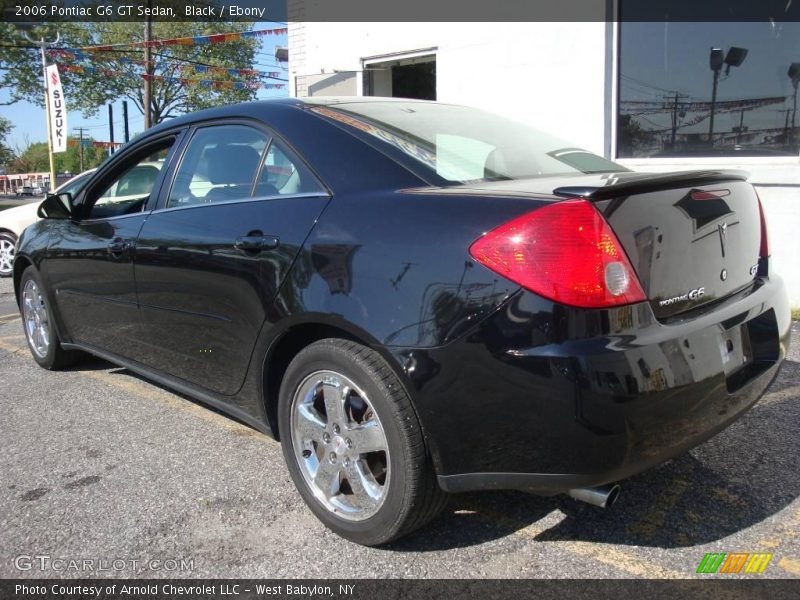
x=749, y=349
x=734, y=348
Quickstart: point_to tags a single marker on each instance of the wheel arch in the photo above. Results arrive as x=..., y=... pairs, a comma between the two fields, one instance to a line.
x=294, y=337
x=21, y=262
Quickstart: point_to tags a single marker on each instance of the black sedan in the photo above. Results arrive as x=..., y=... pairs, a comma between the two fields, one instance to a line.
x=416, y=298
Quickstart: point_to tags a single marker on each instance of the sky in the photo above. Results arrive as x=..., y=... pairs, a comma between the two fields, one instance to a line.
x=30, y=125
x=659, y=58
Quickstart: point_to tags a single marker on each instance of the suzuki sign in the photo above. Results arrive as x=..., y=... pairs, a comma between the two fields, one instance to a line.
x=58, y=110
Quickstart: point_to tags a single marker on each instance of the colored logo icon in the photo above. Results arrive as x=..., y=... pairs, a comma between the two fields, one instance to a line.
x=734, y=562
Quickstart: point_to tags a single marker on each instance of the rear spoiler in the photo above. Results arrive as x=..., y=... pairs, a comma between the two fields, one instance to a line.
x=649, y=182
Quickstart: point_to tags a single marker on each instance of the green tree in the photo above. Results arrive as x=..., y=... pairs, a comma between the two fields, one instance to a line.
x=87, y=92
x=631, y=136
x=31, y=159
x=6, y=153
x=34, y=159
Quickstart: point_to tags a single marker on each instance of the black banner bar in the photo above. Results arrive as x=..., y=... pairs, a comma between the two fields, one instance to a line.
x=53, y=11
x=360, y=589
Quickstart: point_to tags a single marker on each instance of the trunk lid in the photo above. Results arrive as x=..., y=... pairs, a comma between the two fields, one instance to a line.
x=692, y=237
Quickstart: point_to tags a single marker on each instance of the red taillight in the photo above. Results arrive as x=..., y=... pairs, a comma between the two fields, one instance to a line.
x=764, y=249
x=563, y=251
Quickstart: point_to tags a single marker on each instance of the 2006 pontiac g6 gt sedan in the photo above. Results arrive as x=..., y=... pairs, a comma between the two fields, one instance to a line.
x=415, y=298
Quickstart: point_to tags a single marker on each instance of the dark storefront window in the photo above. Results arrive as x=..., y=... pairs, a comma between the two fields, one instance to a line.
x=667, y=75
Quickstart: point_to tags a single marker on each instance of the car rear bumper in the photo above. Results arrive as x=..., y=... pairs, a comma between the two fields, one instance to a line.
x=546, y=398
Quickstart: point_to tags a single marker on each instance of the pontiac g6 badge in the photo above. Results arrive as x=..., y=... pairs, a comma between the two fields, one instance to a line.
x=694, y=294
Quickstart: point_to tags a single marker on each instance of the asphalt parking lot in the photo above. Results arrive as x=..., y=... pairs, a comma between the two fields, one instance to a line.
x=96, y=463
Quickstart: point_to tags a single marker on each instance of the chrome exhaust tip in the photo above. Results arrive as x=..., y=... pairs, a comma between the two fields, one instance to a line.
x=603, y=496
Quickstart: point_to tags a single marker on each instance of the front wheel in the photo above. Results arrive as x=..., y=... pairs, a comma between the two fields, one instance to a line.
x=7, y=243
x=353, y=444
x=40, y=330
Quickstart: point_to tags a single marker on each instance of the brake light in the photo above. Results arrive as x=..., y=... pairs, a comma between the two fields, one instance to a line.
x=764, y=249
x=564, y=251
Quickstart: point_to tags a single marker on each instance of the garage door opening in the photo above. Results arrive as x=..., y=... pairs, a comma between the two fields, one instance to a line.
x=409, y=76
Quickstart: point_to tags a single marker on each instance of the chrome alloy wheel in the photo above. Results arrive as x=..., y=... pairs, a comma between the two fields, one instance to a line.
x=340, y=445
x=6, y=256
x=34, y=317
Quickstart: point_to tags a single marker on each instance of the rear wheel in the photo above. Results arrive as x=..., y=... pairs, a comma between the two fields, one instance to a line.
x=7, y=243
x=353, y=444
x=40, y=331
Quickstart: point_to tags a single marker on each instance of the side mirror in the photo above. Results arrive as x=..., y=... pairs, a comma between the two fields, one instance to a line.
x=56, y=206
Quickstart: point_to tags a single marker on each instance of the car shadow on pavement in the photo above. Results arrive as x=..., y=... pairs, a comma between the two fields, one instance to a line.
x=737, y=479
x=92, y=363
x=742, y=476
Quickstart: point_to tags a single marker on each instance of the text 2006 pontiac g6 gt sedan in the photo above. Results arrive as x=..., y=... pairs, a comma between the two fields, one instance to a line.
x=416, y=298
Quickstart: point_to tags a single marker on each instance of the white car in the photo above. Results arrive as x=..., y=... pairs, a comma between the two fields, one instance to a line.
x=14, y=220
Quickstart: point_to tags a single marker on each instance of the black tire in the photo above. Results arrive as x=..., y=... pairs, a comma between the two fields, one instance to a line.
x=56, y=357
x=413, y=496
x=6, y=270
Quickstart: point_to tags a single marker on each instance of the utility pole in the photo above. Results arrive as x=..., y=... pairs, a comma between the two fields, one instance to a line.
x=111, y=128
x=740, y=130
x=42, y=44
x=794, y=109
x=80, y=131
x=713, y=106
x=794, y=76
x=786, y=140
x=675, y=100
x=148, y=66
x=125, y=119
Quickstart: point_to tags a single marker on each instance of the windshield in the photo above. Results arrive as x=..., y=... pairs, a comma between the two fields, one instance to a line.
x=463, y=144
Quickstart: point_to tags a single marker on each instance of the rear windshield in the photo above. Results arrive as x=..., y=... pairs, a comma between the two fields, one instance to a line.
x=463, y=144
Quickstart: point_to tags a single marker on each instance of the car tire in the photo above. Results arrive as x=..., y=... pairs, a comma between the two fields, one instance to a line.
x=375, y=496
x=39, y=327
x=8, y=242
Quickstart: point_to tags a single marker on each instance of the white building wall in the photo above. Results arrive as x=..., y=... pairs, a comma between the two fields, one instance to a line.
x=550, y=75
x=557, y=77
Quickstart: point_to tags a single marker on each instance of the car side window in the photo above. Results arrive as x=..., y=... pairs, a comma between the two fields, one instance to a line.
x=284, y=174
x=129, y=192
x=220, y=163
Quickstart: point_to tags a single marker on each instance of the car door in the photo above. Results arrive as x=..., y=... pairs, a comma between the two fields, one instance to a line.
x=90, y=258
x=210, y=260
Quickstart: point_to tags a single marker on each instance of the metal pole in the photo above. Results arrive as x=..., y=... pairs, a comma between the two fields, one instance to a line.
x=80, y=142
x=674, y=123
x=794, y=110
x=713, y=108
x=111, y=128
x=741, y=127
x=125, y=119
x=148, y=89
x=42, y=45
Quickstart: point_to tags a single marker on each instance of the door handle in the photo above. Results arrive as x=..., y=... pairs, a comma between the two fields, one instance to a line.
x=256, y=243
x=118, y=246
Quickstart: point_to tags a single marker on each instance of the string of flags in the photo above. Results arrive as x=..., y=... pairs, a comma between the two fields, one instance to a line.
x=653, y=107
x=227, y=71
x=196, y=40
x=74, y=54
x=217, y=84
x=94, y=144
x=209, y=83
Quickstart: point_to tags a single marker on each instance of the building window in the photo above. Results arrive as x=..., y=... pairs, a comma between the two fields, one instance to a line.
x=708, y=89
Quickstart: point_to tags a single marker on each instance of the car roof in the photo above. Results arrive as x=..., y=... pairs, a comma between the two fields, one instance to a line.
x=273, y=107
